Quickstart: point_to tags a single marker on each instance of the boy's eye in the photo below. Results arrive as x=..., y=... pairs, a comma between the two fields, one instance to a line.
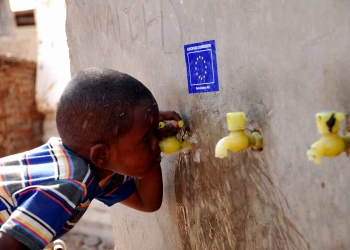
x=150, y=135
x=147, y=140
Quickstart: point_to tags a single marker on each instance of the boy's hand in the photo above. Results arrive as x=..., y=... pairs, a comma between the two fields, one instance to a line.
x=169, y=127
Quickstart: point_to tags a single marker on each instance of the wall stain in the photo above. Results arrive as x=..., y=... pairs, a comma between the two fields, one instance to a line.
x=245, y=211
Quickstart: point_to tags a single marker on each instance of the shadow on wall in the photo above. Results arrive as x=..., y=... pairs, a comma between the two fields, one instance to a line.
x=21, y=123
x=245, y=211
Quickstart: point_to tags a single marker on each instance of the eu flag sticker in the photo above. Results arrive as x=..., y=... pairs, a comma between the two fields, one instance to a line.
x=202, y=73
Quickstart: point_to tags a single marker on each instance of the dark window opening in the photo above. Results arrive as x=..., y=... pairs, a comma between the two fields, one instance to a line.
x=24, y=18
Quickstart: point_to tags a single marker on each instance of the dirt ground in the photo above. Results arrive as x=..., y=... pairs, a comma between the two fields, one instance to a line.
x=78, y=241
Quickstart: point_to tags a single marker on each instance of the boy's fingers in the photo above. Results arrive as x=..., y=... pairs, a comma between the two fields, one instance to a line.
x=169, y=127
x=169, y=115
x=170, y=122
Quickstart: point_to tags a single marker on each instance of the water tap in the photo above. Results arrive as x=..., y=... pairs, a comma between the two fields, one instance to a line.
x=330, y=144
x=174, y=142
x=56, y=245
x=237, y=140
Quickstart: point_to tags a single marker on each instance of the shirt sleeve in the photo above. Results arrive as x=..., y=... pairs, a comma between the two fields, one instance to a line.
x=41, y=212
x=115, y=193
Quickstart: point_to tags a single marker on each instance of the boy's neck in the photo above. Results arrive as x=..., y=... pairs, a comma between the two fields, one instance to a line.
x=100, y=173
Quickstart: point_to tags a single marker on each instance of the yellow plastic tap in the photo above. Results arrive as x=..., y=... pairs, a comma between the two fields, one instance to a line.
x=163, y=123
x=171, y=144
x=330, y=144
x=237, y=140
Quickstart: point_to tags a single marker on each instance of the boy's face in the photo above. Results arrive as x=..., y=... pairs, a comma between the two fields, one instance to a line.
x=137, y=152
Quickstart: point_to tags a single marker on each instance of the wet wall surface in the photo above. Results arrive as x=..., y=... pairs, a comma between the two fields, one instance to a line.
x=280, y=63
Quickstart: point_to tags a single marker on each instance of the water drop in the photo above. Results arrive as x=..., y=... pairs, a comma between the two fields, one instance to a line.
x=197, y=156
x=228, y=186
x=85, y=123
x=186, y=158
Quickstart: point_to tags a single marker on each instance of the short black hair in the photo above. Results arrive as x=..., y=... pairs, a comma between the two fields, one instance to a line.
x=97, y=106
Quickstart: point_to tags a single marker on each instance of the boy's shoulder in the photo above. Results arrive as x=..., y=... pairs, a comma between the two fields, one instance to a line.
x=50, y=160
x=74, y=166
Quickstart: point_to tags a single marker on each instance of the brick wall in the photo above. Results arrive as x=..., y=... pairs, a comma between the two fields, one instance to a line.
x=20, y=123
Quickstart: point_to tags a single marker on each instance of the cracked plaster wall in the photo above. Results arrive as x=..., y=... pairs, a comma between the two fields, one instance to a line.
x=280, y=62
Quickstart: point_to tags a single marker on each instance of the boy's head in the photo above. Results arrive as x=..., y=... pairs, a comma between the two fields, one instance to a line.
x=102, y=107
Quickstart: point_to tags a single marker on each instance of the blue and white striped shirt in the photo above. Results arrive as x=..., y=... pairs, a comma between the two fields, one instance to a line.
x=45, y=191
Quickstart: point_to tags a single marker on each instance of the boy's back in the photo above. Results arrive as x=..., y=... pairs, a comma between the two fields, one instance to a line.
x=50, y=178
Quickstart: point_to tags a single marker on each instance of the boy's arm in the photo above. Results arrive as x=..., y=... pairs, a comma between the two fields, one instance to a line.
x=11, y=243
x=148, y=195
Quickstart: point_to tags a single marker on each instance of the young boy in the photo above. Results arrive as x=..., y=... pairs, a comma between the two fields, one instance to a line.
x=108, y=149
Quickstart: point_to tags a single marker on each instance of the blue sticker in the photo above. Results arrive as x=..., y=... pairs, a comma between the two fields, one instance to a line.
x=202, y=72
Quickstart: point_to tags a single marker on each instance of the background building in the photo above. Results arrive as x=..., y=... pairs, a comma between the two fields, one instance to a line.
x=34, y=69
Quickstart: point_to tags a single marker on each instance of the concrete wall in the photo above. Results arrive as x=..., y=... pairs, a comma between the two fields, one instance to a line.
x=53, y=60
x=6, y=19
x=23, y=44
x=19, y=42
x=280, y=62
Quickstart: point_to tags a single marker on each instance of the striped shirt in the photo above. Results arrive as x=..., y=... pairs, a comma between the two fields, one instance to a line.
x=45, y=191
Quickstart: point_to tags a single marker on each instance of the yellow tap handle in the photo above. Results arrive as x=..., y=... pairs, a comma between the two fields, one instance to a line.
x=163, y=123
x=171, y=144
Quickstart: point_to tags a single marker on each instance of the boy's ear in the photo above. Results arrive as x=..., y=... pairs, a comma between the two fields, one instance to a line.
x=99, y=155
